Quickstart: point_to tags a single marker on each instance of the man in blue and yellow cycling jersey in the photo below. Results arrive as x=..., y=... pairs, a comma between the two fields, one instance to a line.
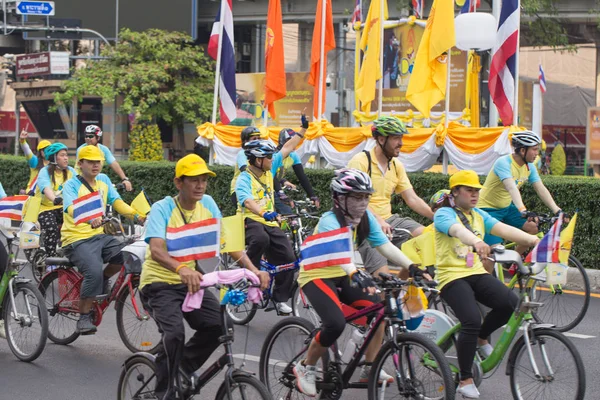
x=83, y=238
x=241, y=162
x=500, y=196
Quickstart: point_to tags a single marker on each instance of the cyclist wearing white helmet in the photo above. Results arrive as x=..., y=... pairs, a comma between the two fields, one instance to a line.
x=93, y=136
x=256, y=202
x=389, y=177
x=500, y=196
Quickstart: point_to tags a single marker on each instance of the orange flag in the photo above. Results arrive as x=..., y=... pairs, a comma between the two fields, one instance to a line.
x=274, y=59
x=315, y=57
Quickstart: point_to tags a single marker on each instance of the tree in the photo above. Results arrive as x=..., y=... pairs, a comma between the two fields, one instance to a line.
x=161, y=75
x=558, y=162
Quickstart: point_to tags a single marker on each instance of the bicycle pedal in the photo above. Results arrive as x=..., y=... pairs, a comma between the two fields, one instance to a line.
x=270, y=308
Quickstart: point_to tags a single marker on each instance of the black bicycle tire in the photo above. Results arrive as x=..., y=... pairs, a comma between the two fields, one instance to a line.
x=430, y=346
x=43, y=285
x=43, y=315
x=242, y=321
x=247, y=380
x=295, y=312
x=35, y=271
x=132, y=361
x=570, y=346
x=119, y=308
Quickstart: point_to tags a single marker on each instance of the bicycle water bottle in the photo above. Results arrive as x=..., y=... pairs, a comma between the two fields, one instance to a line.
x=356, y=340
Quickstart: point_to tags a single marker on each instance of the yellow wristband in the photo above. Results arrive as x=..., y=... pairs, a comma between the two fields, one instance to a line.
x=179, y=267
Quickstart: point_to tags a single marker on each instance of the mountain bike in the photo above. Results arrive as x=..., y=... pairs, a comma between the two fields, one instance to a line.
x=420, y=367
x=543, y=363
x=23, y=309
x=138, y=374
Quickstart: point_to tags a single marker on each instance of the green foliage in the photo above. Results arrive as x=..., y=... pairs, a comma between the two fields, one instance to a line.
x=145, y=143
x=160, y=74
x=572, y=193
x=558, y=161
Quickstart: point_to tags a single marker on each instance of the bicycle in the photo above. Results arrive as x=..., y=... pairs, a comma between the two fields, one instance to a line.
x=23, y=309
x=61, y=290
x=420, y=367
x=523, y=362
x=564, y=312
x=138, y=374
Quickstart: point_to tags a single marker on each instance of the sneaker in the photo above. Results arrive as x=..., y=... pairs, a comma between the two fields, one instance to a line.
x=469, y=391
x=283, y=308
x=383, y=376
x=305, y=378
x=85, y=325
x=2, y=330
x=485, y=351
x=50, y=268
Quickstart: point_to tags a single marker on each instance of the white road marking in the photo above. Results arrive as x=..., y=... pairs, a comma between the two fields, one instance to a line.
x=256, y=359
x=578, y=335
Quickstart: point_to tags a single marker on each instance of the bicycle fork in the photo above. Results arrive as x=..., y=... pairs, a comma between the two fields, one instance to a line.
x=23, y=320
x=534, y=366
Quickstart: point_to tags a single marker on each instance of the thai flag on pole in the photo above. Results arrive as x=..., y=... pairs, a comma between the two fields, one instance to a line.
x=542, y=78
x=470, y=6
x=195, y=241
x=33, y=184
x=547, y=250
x=12, y=207
x=227, y=92
x=418, y=8
x=357, y=14
x=504, y=61
x=87, y=208
x=327, y=249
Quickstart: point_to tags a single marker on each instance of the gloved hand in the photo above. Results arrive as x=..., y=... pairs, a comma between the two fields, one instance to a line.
x=528, y=214
x=270, y=216
x=58, y=201
x=362, y=279
x=304, y=121
x=414, y=271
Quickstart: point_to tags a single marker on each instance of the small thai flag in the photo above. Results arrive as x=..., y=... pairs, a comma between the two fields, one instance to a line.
x=547, y=250
x=87, y=208
x=33, y=185
x=470, y=6
x=195, y=241
x=328, y=249
x=357, y=14
x=542, y=78
x=12, y=207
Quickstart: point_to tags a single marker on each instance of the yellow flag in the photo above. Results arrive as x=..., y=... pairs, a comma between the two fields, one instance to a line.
x=370, y=44
x=140, y=204
x=32, y=209
x=427, y=84
x=566, y=241
x=232, y=234
x=421, y=249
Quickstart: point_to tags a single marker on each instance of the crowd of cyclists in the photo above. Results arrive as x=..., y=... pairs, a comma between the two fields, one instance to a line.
x=467, y=219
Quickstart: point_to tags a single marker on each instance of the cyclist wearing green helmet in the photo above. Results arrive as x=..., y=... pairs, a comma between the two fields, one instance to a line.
x=389, y=177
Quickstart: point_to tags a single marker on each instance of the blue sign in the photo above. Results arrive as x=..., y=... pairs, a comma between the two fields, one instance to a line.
x=35, y=7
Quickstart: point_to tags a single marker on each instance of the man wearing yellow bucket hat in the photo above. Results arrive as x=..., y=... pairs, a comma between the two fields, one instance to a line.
x=167, y=278
x=35, y=162
x=460, y=229
x=84, y=242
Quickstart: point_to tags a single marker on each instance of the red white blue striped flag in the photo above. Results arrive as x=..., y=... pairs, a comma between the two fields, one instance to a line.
x=227, y=93
x=195, y=241
x=548, y=249
x=542, y=78
x=418, y=8
x=470, y=6
x=87, y=208
x=357, y=14
x=327, y=249
x=12, y=207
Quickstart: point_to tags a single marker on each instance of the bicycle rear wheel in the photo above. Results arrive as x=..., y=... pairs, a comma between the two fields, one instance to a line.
x=301, y=307
x=419, y=368
x=285, y=346
x=27, y=330
x=244, y=387
x=561, y=373
x=137, y=380
x=564, y=306
x=62, y=313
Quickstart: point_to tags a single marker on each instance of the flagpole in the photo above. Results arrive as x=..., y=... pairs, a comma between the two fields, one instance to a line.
x=447, y=108
x=322, y=57
x=381, y=44
x=218, y=69
x=516, y=105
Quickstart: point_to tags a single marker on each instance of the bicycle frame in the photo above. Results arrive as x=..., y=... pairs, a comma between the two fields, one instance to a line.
x=273, y=270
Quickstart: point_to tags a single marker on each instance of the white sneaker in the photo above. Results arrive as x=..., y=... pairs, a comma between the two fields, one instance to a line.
x=305, y=378
x=2, y=331
x=283, y=308
x=469, y=391
x=383, y=376
x=50, y=268
x=485, y=351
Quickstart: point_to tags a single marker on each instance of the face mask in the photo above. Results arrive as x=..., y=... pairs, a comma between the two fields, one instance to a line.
x=355, y=209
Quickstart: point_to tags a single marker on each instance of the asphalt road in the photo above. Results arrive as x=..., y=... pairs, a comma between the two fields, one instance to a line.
x=89, y=368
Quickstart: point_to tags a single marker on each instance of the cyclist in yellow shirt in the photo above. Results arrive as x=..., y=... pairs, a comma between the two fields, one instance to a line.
x=35, y=161
x=241, y=162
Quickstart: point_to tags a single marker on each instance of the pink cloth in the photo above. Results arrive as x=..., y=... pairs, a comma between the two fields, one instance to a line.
x=194, y=301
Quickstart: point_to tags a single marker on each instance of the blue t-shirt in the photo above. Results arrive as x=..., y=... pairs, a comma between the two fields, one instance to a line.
x=108, y=156
x=502, y=168
x=44, y=180
x=243, y=186
x=241, y=160
x=2, y=192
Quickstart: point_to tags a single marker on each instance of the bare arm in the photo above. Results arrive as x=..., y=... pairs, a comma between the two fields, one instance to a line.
x=416, y=203
x=514, y=235
x=158, y=249
x=545, y=196
x=253, y=207
x=464, y=235
x=515, y=195
x=49, y=193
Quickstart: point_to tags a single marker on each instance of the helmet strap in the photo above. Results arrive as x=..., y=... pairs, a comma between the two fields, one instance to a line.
x=384, y=151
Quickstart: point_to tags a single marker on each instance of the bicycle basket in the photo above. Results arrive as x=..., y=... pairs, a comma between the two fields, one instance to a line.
x=67, y=290
x=134, y=255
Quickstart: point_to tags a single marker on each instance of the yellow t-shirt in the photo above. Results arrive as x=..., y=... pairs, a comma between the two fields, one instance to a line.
x=395, y=180
x=165, y=214
x=451, y=254
x=44, y=181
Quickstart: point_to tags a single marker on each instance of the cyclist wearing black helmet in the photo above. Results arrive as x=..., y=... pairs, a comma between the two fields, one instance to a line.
x=500, y=196
x=249, y=133
x=294, y=161
x=255, y=193
x=389, y=177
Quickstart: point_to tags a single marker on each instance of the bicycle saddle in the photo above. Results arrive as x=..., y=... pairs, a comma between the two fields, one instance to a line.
x=58, y=261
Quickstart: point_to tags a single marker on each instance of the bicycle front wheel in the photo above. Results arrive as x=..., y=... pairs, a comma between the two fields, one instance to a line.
x=25, y=322
x=418, y=367
x=244, y=387
x=137, y=380
x=561, y=374
x=566, y=305
x=301, y=307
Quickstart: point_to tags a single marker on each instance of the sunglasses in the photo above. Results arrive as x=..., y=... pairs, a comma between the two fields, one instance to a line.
x=90, y=136
x=270, y=156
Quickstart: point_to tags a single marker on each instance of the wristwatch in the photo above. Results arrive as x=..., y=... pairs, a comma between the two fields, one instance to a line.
x=125, y=179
